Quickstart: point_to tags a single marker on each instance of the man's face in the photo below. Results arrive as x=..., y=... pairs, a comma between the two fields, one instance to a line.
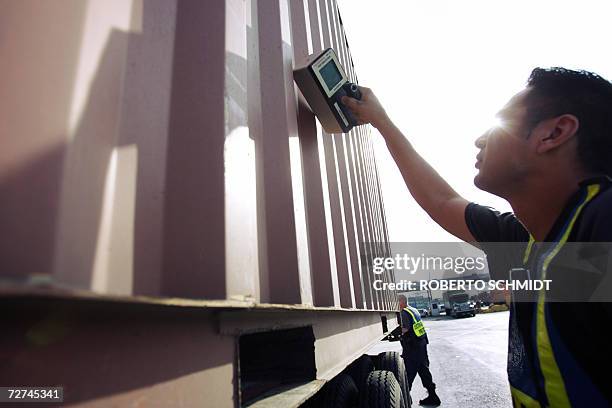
x=505, y=156
x=402, y=304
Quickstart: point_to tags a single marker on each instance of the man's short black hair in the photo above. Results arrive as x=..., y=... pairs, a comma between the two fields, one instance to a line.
x=588, y=96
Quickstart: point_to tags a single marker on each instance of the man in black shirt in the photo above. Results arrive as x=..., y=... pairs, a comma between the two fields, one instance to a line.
x=551, y=158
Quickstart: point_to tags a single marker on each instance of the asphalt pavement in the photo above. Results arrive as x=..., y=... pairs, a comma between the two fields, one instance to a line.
x=467, y=360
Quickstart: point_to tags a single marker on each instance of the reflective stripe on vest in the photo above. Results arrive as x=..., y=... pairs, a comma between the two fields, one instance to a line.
x=554, y=386
x=520, y=399
x=417, y=327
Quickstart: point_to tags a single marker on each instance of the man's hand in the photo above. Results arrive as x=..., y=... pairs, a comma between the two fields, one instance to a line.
x=368, y=109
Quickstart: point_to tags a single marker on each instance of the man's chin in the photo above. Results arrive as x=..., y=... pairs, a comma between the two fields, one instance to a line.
x=492, y=186
x=480, y=182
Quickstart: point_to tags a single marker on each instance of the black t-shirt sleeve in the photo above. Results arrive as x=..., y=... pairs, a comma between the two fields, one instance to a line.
x=492, y=230
x=489, y=225
x=409, y=336
x=406, y=320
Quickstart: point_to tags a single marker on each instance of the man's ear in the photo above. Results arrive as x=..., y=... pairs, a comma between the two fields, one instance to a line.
x=556, y=131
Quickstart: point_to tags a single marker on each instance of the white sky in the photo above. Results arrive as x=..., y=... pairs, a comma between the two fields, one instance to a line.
x=443, y=68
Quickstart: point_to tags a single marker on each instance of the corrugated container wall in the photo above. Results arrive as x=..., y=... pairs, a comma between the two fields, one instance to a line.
x=161, y=148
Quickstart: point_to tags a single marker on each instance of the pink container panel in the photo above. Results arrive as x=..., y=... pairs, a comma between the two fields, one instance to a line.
x=173, y=155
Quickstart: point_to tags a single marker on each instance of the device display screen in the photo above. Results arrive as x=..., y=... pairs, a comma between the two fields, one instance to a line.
x=331, y=75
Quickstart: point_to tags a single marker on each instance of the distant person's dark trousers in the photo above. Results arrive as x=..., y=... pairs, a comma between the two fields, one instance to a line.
x=417, y=362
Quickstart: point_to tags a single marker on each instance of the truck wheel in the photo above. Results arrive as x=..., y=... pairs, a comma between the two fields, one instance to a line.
x=392, y=361
x=359, y=371
x=382, y=391
x=340, y=392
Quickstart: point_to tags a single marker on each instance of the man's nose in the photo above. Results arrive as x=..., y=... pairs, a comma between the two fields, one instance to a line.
x=481, y=141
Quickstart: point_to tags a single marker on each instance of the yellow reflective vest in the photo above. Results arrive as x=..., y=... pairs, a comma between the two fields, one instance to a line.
x=417, y=324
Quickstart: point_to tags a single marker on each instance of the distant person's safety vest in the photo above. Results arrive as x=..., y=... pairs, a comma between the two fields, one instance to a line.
x=417, y=324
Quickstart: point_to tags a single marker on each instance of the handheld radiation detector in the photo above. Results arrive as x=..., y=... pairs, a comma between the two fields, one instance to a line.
x=323, y=83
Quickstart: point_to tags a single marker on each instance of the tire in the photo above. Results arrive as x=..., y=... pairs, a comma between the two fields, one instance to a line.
x=393, y=362
x=359, y=371
x=382, y=391
x=340, y=392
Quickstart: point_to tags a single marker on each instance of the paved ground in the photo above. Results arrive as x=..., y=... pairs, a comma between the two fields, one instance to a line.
x=468, y=360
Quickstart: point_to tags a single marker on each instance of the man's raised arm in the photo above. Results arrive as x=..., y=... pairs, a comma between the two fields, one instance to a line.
x=431, y=191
